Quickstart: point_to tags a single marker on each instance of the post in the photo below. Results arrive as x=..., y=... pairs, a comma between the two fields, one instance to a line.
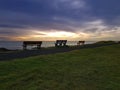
x=24, y=47
x=38, y=46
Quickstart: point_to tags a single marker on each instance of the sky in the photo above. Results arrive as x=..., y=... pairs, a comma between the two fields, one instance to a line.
x=49, y=20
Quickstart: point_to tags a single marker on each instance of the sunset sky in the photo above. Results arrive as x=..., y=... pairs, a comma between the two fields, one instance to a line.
x=48, y=20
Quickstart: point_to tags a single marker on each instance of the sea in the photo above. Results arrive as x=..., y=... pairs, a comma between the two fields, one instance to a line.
x=17, y=45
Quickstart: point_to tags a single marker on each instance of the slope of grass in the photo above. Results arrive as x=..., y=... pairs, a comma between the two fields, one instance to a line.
x=86, y=69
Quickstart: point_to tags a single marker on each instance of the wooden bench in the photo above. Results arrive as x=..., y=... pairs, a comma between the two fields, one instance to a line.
x=37, y=43
x=80, y=42
x=60, y=43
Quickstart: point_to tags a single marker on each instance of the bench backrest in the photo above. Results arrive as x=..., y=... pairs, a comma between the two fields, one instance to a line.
x=32, y=42
x=80, y=42
x=60, y=42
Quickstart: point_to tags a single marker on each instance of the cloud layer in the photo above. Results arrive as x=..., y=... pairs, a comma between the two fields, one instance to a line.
x=83, y=19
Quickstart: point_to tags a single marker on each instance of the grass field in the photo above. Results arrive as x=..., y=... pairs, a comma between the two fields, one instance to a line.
x=85, y=69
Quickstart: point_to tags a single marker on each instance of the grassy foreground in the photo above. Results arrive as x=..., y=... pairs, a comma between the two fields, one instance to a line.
x=86, y=69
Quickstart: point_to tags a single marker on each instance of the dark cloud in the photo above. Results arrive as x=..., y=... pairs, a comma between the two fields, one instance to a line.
x=11, y=26
x=12, y=32
x=108, y=10
x=41, y=12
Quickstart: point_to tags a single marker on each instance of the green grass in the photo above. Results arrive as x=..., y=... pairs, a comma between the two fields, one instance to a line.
x=86, y=69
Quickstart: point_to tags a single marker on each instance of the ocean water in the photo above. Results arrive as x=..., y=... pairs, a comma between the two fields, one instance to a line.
x=13, y=45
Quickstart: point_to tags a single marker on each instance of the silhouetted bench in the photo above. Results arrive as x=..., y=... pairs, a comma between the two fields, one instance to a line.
x=80, y=42
x=60, y=43
x=37, y=43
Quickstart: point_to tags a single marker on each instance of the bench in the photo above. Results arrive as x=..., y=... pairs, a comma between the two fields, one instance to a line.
x=37, y=43
x=80, y=43
x=60, y=43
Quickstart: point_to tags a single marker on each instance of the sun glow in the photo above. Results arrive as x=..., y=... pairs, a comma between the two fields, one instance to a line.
x=61, y=34
x=52, y=35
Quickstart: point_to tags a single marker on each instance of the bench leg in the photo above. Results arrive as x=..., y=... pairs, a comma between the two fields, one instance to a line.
x=24, y=47
x=38, y=46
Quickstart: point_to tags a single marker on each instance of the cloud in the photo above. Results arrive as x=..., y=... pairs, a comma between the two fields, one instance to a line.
x=88, y=19
x=41, y=14
x=99, y=30
x=69, y=4
x=108, y=10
